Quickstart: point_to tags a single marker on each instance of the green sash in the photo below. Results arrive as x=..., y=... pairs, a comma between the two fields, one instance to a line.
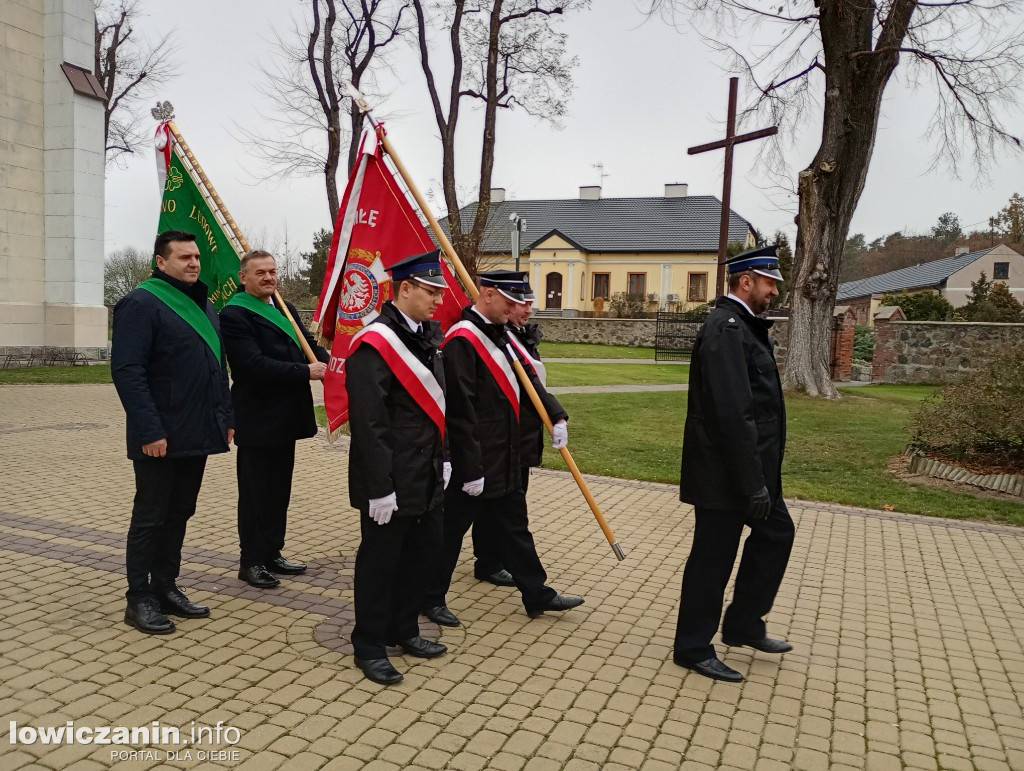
x=267, y=311
x=186, y=308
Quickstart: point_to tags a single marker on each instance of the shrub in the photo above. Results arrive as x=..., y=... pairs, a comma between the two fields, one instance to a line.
x=698, y=314
x=628, y=306
x=921, y=306
x=979, y=417
x=863, y=342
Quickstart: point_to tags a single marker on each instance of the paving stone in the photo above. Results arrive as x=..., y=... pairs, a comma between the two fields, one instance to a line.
x=905, y=631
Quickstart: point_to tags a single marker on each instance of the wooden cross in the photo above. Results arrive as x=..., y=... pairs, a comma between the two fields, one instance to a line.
x=728, y=143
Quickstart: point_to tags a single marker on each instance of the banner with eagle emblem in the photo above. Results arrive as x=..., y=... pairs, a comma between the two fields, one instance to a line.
x=376, y=227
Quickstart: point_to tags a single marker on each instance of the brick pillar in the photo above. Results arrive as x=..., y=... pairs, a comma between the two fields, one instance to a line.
x=885, y=338
x=842, y=344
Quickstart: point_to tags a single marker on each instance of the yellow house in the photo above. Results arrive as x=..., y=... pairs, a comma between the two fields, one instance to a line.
x=581, y=252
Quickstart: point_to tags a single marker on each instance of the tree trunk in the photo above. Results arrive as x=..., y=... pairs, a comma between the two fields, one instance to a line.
x=831, y=186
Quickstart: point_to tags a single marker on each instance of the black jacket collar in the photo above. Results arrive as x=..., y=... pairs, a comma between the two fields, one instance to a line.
x=197, y=291
x=496, y=332
x=429, y=336
x=758, y=325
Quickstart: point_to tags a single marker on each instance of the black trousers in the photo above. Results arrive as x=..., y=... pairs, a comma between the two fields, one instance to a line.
x=264, y=491
x=716, y=540
x=503, y=522
x=166, y=490
x=393, y=565
x=486, y=553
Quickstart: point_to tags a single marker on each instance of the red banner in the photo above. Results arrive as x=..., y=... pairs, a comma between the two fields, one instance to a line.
x=376, y=228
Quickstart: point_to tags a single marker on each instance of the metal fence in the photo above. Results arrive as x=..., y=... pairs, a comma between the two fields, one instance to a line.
x=674, y=336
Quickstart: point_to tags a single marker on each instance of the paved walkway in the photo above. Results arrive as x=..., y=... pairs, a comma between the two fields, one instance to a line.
x=908, y=633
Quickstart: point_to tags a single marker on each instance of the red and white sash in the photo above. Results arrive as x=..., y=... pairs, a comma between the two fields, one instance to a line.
x=416, y=378
x=491, y=355
x=538, y=366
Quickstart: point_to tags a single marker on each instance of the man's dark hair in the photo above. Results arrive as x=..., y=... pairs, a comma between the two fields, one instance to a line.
x=162, y=247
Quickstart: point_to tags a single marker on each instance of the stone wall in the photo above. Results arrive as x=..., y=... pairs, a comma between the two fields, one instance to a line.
x=934, y=351
x=633, y=332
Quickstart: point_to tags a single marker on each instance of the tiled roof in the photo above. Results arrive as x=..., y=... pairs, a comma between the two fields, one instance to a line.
x=687, y=224
x=921, y=276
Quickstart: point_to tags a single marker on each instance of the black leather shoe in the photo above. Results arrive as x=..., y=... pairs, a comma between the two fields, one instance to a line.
x=424, y=649
x=286, y=567
x=501, y=578
x=712, y=668
x=257, y=575
x=379, y=671
x=442, y=616
x=145, y=616
x=558, y=602
x=765, y=645
x=174, y=603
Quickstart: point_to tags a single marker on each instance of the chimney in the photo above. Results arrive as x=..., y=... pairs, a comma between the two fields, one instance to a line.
x=960, y=250
x=590, y=193
x=676, y=189
x=497, y=194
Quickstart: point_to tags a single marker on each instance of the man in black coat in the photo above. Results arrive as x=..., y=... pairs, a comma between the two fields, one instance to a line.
x=483, y=425
x=397, y=468
x=733, y=444
x=525, y=339
x=170, y=375
x=273, y=408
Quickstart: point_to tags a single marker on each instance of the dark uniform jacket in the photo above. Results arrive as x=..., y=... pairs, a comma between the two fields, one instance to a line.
x=168, y=380
x=482, y=425
x=396, y=447
x=269, y=378
x=531, y=427
x=735, y=432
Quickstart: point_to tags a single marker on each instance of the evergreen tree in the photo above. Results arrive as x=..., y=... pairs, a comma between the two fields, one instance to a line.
x=317, y=260
x=1009, y=222
x=1008, y=308
x=947, y=229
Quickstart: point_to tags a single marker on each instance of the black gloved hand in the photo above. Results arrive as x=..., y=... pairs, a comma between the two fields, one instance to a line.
x=759, y=504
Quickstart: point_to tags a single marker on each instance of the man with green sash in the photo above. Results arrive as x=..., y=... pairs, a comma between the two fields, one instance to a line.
x=273, y=408
x=170, y=374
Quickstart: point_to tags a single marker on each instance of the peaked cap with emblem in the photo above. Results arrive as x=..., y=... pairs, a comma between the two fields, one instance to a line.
x=511, y=283
x=761, y=260
x=424, y=268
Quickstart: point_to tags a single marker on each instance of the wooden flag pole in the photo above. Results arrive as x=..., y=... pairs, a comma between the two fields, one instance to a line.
x=464, y=277
x=237, y=232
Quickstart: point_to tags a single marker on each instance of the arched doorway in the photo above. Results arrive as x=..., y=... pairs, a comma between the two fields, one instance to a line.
x=553, y=292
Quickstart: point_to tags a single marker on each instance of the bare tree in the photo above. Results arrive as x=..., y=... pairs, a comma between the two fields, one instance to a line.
x=838, y=56
x=130, y=69
x=123, y=270
x=504, y=54
x=340, y=40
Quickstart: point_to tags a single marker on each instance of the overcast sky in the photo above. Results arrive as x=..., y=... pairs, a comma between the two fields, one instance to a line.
x=644, y=93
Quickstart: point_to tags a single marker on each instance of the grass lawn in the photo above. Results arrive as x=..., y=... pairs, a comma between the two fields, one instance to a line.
x=93, y=373
x=593, y=351
x=836, y=451
x=566, y=374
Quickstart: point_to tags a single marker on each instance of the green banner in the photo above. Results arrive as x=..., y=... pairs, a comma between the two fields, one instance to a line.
x=184, y=208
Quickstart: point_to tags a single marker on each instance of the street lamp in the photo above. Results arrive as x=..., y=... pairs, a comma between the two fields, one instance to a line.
x=518, y=226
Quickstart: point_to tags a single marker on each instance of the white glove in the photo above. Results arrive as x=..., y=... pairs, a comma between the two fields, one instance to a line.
x=381, y=509
x=559, y=435
x=446, y=473
x=474, y=488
